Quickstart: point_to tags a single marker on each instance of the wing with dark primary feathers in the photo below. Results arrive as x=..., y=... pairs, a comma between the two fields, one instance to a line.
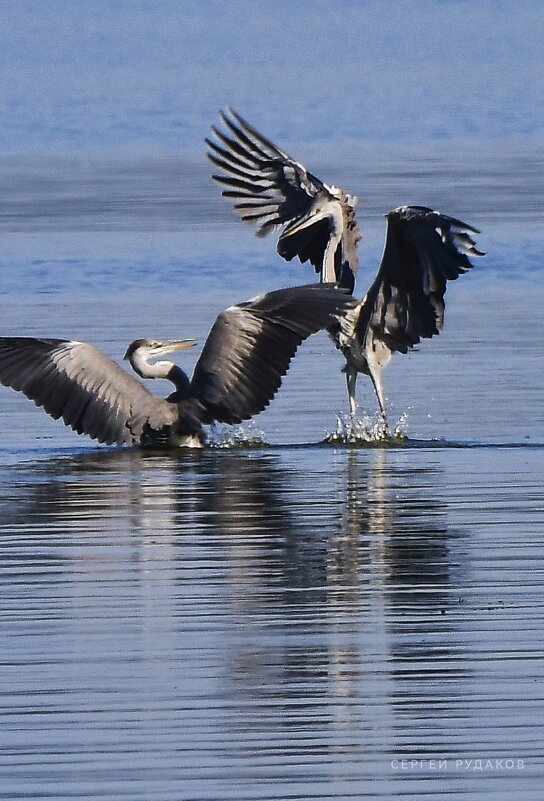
x=91, y=393
x=423, y=250
x=250, y=346
x=268, y=187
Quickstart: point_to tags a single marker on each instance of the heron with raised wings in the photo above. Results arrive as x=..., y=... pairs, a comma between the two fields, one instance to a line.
x=244, y=358
x=423, y=248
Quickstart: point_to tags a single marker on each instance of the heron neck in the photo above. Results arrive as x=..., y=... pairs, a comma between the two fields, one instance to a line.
x=162, y=369
x=179, y=379
x=170, y=371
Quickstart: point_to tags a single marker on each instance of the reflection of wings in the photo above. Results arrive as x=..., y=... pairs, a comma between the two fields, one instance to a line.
x=250, y=346
x=269, y=188
x=91, y=393
x=423, y=250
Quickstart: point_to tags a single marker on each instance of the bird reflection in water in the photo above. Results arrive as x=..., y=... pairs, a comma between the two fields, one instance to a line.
x=320, y=583
x=326, y=570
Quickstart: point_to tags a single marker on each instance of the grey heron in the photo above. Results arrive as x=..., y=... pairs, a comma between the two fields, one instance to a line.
x=244, y=358
x=423, y=248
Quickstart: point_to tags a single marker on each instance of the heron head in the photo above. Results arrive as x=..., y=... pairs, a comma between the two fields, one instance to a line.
x=157, y=347
x=141, y=351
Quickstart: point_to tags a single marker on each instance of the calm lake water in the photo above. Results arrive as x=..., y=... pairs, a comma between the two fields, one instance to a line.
x=297, y=620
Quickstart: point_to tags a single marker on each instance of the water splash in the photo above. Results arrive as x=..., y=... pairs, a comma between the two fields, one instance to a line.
x=367, y=429
x=244, y=436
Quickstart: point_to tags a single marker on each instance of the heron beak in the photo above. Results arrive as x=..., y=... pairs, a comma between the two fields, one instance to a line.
x=171, y=345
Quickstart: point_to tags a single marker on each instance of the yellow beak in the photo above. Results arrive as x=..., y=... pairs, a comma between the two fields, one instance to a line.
x=170, y=345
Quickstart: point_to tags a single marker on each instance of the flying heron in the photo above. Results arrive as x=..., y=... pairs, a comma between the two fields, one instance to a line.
x=239, y=371
x=423, y=248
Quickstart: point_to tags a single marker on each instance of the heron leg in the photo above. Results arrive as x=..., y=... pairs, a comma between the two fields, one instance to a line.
x=376, y=378
x=351, y=381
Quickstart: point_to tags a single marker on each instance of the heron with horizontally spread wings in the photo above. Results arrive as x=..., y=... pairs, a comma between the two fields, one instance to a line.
x=423, y=248
x=246, y=354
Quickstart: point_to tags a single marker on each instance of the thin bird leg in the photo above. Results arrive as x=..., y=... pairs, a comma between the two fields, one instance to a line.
x=351, y=381
x=376, y=378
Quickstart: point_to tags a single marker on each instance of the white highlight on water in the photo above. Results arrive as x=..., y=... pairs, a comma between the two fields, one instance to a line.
x=365, y=428
x=243, y=436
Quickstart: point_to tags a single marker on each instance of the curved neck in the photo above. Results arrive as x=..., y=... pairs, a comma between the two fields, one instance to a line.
x=179, y=379
x=162, y=369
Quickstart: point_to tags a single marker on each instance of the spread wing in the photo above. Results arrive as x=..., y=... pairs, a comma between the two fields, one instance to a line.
x=268, y=188
x=423, y=251
x=91, y=393
x=250, y=346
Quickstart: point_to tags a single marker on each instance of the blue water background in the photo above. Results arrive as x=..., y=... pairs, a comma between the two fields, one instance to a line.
x=150, y=76
x=295, y=621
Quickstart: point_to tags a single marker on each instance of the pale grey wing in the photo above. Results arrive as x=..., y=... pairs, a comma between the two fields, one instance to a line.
x=267, y=187
x=91, y=393
x=250, y=346
x=423, y=251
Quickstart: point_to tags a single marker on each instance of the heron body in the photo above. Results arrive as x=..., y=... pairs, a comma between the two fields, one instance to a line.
x=240, y=369
x=423, y=248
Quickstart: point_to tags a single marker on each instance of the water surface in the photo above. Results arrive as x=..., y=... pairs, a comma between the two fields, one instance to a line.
x=292, y=621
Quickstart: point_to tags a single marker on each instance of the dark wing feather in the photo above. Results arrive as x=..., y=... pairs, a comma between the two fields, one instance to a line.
x=91, y=393
x=250, y=346
x=267, y=186
x=424, y=249
x=308, y=244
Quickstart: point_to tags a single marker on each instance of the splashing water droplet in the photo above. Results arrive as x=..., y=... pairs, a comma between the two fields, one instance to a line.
x=399, y=431
x=244, y=436
x=366, y=429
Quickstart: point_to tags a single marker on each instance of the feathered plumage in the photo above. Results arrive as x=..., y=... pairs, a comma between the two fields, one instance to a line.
x=423, y=249
x=269, y=189
x=246, y=354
